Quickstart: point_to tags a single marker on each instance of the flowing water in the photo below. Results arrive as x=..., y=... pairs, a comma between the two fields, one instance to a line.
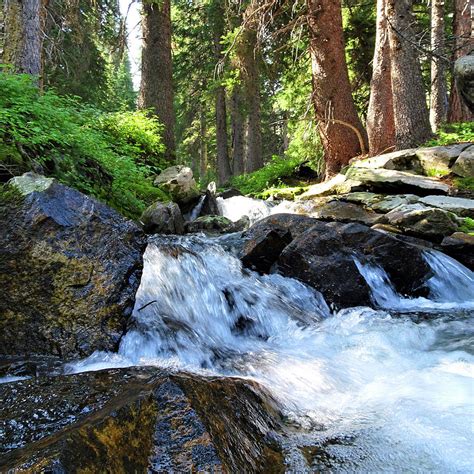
x=383, y=390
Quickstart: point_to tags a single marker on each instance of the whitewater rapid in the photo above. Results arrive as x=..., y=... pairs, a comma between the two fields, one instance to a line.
x=389, y=389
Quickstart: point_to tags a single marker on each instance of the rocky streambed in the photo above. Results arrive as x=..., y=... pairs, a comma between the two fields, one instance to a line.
x=316, y=342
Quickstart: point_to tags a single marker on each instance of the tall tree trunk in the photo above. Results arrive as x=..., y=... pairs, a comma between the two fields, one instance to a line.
x=341, y=130
x=203, y=144
x=462, y=30
x=156, y=88
x=412, y=125
x=238, y=140
x=439, y=93
x=224, y=171
x=246, y=51
x=23, y=40
x=380, y=119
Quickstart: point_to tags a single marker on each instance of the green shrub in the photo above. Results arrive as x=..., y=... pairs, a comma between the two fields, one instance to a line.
x=468, y=226
x=271, y=175
x=108, y=156
x=454, y=133
x=465, y=184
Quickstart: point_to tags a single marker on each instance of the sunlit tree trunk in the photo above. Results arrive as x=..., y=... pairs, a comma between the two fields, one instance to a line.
x=380, y=119
x=462, y=30
x=342, y=134
x=412, y=125
x=439, y=93
x=23, y=37
x=156, y=88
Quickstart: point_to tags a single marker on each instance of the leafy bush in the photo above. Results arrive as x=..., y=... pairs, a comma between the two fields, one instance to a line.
x=468, y=226
x=465, y=184
x=104, y=155
x=271, y=175
x=454, y=133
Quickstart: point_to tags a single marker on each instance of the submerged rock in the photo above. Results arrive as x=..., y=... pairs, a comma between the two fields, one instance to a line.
x=321, y=254
x=138, y=420
x=162, y=218
x=69, y=270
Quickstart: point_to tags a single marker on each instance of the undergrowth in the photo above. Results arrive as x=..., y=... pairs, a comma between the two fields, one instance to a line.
x=111, y=156
x=453, y=133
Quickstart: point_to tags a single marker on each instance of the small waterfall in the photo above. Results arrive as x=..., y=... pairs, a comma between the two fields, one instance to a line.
x=237, y=207
x=194, y=214
x=452, y=286
x=375, y=390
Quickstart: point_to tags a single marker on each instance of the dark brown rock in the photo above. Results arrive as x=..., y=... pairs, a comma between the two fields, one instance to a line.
x=69, y=270
x=138, y=420
x=460, y=246
x=161, y=218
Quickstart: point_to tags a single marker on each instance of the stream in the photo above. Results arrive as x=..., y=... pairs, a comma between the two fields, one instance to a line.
x=387, y=388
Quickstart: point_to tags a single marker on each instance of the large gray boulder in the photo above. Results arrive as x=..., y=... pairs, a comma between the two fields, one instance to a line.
x=162, y=218
x=464, y=165
x=69, y=270
x=460, y=206
x=179, y=183
x=464, y=76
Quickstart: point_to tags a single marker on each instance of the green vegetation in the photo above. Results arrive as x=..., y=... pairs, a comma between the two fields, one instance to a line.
x=465, y=184
x=454, y=133
x=275, y=174
x=107, y=155
x=468, y=226
x=436, y=173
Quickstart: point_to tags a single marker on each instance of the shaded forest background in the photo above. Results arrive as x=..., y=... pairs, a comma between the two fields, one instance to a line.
x=241, y=91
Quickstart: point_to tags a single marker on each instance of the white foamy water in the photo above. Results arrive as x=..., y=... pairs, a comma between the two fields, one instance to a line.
x=381, y=393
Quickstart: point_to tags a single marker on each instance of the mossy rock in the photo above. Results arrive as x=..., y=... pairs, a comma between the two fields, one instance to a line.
x=69, y=270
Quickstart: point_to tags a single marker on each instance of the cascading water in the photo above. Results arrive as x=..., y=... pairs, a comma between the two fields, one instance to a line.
x=380, y=392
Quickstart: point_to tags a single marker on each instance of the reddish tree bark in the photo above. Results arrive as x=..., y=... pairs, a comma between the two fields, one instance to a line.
x=462, y=29
x=380, y=119
x=342, y=134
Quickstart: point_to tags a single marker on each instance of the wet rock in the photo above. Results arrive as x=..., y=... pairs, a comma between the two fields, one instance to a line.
x=69, y=270
x=216, y=225
x=33, y=366
x=464, y=165
x=228, y=193
x=460, y=206
x=162, y=218
x=138, y=420
x=209, y=205
x=422, y=221
x=321, y=254
x=178, y=181
x=461, y=247
x=345, y=212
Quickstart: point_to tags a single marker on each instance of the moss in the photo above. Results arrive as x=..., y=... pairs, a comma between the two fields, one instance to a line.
x=10, y=195
x=467, y=226
x=288, y=193
x=465, y=184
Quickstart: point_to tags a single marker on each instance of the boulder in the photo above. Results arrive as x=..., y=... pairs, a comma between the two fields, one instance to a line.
x=464, y=76
x=69, y=270
x=460, y=206
x=162, y=218
x=390, y=181
x=439, y=159
x=179, y=183
x=340, y=211
x=138, y=420
x=380, y=202
x=464, y=165
x=321, y=254
x=403, y=160
x=423, y=221
x=216, y=225
x=339, y=184
x=209, y=205
x=461, y=247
